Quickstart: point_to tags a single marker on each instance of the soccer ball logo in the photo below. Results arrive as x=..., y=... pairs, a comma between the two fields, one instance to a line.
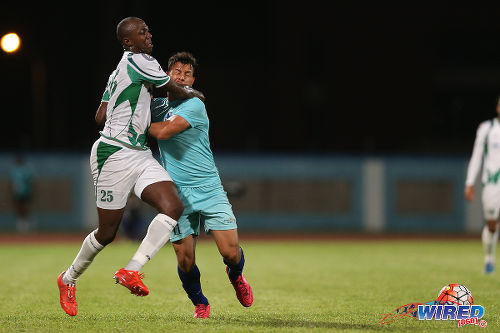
x=455, y=293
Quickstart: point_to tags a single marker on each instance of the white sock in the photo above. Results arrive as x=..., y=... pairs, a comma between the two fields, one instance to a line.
x=490, y=240
x=158, y=235
x=90, y=248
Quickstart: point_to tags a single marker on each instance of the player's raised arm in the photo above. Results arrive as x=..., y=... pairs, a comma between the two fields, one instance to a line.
x=166, y=129
x=181, y=92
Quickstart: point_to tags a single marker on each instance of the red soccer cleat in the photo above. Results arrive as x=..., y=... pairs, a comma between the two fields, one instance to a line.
x=132, y=281
x=201, y=311
x=67, y=296
x=243, y=290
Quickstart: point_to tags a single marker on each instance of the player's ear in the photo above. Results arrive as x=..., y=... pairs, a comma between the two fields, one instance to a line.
x=193, y=81
x=126, y=42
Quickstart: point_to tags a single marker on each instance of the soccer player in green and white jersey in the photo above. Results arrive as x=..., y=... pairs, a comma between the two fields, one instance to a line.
x=487, y=152
x=184, y=145
x=121, y=162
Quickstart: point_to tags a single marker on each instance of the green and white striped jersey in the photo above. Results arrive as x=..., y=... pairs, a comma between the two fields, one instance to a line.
x=486, y=152
x=128, y=95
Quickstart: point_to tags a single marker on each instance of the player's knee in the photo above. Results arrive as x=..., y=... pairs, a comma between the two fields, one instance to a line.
x=493, y=225
x=175, y=209
x=231, y=253
x=104, y=237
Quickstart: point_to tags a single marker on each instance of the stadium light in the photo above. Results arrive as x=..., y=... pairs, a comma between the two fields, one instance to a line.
x=10, y=42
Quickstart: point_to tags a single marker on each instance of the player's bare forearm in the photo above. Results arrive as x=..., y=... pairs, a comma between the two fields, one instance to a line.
x=178, y=91
x=100, y=115
x=161, y=131
x=155, y=129
x=166, y=129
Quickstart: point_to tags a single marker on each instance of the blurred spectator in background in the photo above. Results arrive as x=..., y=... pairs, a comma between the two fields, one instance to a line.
x=21, y=185
x=487, y=152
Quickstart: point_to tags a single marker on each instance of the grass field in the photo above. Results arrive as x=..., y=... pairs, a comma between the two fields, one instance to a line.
x=298, y=287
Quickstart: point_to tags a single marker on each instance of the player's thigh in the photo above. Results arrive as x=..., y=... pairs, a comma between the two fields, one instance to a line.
x=491, y=201
x=163, y=197
x=155, y=187
x=114, y=174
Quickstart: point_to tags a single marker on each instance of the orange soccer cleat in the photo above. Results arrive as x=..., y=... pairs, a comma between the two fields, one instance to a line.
x=201, y=311
x=67, y=296
x=243, y=290
x=132, y=281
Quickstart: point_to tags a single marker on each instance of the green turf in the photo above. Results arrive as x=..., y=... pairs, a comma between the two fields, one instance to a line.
x=298, y=287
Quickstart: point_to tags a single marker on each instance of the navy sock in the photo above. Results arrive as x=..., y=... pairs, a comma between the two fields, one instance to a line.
x=235, y=270
x=192, y=285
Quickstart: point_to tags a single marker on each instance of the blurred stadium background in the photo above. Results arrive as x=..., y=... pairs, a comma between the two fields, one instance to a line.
x=325, y=117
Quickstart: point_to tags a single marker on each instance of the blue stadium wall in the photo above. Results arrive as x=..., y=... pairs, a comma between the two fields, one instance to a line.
x=280, y=193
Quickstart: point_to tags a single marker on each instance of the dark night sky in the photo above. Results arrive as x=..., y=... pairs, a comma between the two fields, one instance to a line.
x=321, y=77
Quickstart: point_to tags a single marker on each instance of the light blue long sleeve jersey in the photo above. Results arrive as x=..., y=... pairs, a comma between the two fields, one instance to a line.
x=187, y=155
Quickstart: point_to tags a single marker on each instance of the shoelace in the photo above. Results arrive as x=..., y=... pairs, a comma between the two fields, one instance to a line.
x=201, y=310
x=135, y=276
x=71, y=292
x=242, y=287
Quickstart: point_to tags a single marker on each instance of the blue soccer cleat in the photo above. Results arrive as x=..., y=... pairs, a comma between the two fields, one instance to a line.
x=489, y=268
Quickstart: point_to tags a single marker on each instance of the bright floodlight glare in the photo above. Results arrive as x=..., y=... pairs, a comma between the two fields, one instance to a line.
x=10, y=42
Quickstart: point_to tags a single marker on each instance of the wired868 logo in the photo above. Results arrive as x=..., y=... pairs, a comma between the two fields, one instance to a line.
x=463, y=314
x=454, y=302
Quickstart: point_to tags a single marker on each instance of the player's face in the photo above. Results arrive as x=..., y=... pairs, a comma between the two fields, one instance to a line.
x=139, y=38
x=182, y=74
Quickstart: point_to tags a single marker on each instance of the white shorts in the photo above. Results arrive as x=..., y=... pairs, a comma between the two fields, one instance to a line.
x=491, y=201
x=117, y=169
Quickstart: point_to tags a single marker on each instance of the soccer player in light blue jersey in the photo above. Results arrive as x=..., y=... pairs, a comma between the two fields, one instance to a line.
x=182, y=131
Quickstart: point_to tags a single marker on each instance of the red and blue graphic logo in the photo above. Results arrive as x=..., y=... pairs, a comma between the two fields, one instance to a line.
x=454, y=302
